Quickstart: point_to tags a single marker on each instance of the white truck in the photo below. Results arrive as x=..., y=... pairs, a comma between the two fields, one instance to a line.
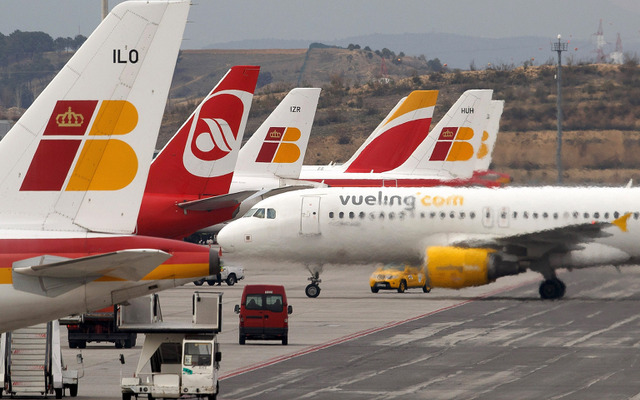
x=177, y=359
x=228, y=274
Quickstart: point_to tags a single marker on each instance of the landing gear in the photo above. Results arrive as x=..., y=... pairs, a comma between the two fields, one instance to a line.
x=313, y=290
x=552, y=289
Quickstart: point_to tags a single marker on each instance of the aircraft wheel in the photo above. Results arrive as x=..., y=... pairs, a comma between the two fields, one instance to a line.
x=402, y=287
x=552, y=289
x=312, y=290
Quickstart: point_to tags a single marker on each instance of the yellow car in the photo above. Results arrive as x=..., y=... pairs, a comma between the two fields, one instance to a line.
x=399, y=277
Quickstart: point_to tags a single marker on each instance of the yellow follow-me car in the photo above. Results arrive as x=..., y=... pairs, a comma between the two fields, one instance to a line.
x=398, y=277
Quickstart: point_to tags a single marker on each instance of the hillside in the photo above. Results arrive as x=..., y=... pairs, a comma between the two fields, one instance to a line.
x=600, y=104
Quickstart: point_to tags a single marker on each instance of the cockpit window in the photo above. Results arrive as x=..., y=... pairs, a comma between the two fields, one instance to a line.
x=271, y=213
x=250, y=213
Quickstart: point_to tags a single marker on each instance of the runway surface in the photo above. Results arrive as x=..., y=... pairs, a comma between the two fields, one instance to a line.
x=494, y=342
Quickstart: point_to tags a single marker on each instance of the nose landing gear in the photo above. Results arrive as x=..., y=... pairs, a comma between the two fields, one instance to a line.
x=313, y=290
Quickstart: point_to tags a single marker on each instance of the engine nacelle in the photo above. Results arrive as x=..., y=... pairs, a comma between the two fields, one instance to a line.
x=456, y=267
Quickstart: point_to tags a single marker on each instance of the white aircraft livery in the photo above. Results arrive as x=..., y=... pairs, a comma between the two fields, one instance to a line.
x=462, y=236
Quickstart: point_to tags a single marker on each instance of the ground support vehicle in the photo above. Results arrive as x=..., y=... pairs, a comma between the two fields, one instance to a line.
x=31, y=363
x=398, y=277
x=97, y=326
x=177, y=359
x=263, y=313
x=230, y=275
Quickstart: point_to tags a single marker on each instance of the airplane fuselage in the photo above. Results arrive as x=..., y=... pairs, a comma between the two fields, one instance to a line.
x=21, y=308
x=357, y=225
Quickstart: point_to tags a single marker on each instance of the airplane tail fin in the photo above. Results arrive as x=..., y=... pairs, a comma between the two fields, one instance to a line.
x=79, y=157
x=449, y=150
x=279, y=145
x=201, y=157
x=489, y=136
x=397, y=136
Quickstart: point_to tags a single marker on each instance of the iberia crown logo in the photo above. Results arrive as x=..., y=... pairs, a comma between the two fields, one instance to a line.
x=77, y=152
x=279, y=146
x=69, y=119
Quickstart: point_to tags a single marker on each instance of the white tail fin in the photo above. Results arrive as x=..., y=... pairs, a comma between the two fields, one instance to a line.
x=279, y=145
x=78, y=158
x=489, y=136
x=449, y=149
x=404, y=128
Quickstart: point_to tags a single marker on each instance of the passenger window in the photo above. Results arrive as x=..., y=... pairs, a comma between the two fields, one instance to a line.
x=472, y=215
x=616, y=215
x=362, y=215
x=515, y=214
x=586, y=215
x=274, y=302
x=442, y=215
x=452, y=215
x=555, y=215
x=606, y=215
x=423, y=215
x=462, y=215
x=259, y=213
x=381, y=215
x=535, y=215
x=635, y=215
x=331, y=215
x=525, y=215
x=392, y=215
x=271, y=213
x=576, y=214
x=545, y=215
x=254, y=302
x=351, y=215
x=340, y=215
x=596, y=215
x=432, y=214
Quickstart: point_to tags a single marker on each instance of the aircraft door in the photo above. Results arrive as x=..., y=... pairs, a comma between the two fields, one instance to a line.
x=487, y=217
x=309, y=217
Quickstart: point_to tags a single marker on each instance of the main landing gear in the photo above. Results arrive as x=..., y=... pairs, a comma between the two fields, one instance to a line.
x=313, y=290
x=551, y=289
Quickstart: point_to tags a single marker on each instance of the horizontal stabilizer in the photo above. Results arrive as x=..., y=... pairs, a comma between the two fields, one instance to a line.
x=52, y=276
x=217, y=202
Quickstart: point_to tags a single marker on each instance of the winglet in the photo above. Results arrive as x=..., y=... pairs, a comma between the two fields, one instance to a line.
x=622, y=222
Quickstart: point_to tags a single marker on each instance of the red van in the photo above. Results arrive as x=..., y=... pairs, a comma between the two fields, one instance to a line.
x=264, y=313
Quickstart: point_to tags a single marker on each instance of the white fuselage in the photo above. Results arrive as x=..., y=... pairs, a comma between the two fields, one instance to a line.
x=363, y=225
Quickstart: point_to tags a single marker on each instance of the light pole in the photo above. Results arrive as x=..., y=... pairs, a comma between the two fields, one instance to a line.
x=559, y=47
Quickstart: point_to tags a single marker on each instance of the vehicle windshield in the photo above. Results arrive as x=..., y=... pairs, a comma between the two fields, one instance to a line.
x=198, y=353
x=394, y=267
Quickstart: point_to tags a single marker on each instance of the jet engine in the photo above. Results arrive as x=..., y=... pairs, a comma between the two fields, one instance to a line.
x=456, y=268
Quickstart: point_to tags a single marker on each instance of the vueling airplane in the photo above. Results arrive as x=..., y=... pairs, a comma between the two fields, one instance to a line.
x=201, y=176
x=74, y=168
x=462, y=236
x=445, y=156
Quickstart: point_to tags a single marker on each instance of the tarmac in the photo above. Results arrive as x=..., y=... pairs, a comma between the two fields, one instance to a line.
x=490, y=342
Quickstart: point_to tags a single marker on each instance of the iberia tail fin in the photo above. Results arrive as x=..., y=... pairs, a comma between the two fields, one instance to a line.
x=449, y=150
x=200, y=158
x=489, y=136
x=397, y=136
x=278, y=147
x=79, y=157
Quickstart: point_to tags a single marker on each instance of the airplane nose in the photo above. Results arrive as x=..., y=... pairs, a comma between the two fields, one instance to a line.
x=225, y=240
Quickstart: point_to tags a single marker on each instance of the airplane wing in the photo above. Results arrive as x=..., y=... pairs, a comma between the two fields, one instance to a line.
x=52, y=276
x=560, y=239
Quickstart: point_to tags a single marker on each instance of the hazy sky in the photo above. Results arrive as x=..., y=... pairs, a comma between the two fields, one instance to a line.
x=218, y=21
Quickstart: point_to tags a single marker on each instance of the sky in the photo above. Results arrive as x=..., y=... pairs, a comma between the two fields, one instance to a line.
x=220, y=21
